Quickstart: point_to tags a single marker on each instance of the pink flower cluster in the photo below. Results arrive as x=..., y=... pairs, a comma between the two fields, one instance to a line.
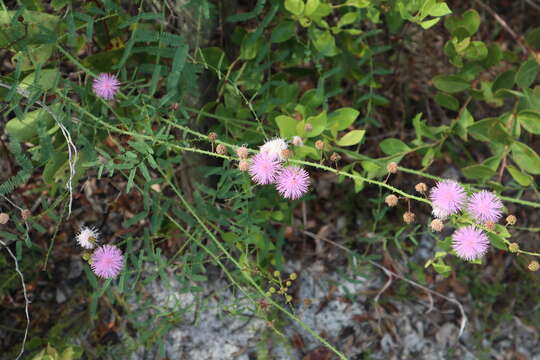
x=266, y=167
x=106, y=261
x=449, y=198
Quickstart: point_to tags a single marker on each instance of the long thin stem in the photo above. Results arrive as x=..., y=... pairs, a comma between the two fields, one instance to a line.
x=247, y=277
x=26, y=300
x=436, y=178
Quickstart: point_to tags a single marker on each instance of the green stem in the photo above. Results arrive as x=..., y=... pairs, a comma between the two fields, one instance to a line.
x=406, y=170
x=247, y=277
x=436, y=178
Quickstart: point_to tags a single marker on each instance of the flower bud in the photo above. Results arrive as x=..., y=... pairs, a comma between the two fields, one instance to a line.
x=174, y=107
x=513, y=247
x=421, y=187
x=319, y=144
x=293, y=276
x=243, y=165
x=25, y=214
x=490, y=225
x=335, y=157
x=391, y=200
x=4, y=218
x=408, y=217
x=286, y=153
x=391, y=167
x=297, y=116
x=212, y=136
x=242, y=152
x=308, y=127
x=221, y=149
x=534, y=265
x=437, y=225
x=511, y=219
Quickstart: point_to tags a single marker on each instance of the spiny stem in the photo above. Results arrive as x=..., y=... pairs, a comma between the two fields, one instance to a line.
x=436, y=178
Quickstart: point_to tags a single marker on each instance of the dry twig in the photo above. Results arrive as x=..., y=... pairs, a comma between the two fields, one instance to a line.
x=26, y=301
x=504, y=24
x=72, y=149
x=390, y=273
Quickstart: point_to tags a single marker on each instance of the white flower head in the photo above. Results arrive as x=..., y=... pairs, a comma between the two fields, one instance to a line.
x=274, y=148
x=440, y=213
x=88, y=237
x=297, y=141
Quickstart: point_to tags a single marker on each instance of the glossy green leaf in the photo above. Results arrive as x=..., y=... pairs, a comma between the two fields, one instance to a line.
x=394, y=146
x=505, y=80
x=312, y=98
x=43, y=80
x=286, y=125
x=295, y=6
x=59, y=4
x=26, y=128
x=530, y=120
x=324, y=42
x=214, y=57
x=499, y=133
x=33, y=56
x=497, y=241
x=318, y=124
x=429, y=23
x=520, y=177
x=311, y=7
x=526, y=158
x=341, y=119
x=351, y=138
x=450, y=83
x=442, y=269
x=348, y=18
x=527, y=73
x=477, y=172
x=476, y=51
x=358, y=3
x=462, y=124
x=440, y=9
x=448, y=101
x=428, y=157
x=464, y=25
x=304, y=151
x=283, y=32
x=250, y=47
x=533, y=38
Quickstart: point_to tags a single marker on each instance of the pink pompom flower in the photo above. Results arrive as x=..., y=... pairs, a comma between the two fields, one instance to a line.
x=470, y=243
x=485, y=206
x=292, y=182
x=447, y=198
x=107, y=261
x=106, y=86
x=264, y=168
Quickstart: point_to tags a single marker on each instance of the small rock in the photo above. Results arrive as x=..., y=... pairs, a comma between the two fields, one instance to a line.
x=75, y=268
x=60, y=296
x=447, y=335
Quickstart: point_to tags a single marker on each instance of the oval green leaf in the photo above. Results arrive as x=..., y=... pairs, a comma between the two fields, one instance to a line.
x=450, y=83
x=351, y=138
